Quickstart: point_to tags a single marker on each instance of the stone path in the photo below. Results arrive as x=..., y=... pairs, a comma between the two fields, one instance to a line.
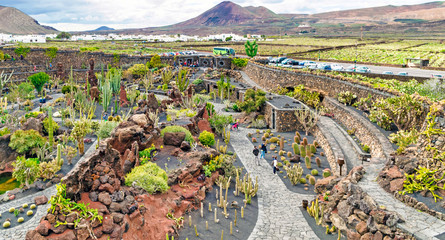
x=250, y=81
x=279, y=214
x=420, y=224
x=19, y=232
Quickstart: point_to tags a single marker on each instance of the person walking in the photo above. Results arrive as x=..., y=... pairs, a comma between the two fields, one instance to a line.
x=263, y=150
x=274, y=164
x=256, y=151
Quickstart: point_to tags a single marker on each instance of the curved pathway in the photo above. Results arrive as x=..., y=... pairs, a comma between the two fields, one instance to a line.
x=279, y=216
x=20, y=232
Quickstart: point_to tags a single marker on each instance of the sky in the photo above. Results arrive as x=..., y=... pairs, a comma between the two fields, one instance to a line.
x=81, y=15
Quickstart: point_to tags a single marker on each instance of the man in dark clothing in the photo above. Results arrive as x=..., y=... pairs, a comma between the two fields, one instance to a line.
x=256, y=151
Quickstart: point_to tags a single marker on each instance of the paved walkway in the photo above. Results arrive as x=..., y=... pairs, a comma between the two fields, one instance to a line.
x=279, y=216
x=19, y=232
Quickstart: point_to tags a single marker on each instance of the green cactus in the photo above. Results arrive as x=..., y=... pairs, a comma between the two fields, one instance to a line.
x=251, y=48
x=296, y=148
x=302, y=151
x=307, y=161
x=289, y=154
x=314, y=172
x=274, y=139
x=305, y=141
x=303, y=180
x=107, y=94
x=297, y=133
x=308, y=151
x=182, y=81
x=312, y=180
x=313, y=148
x=326, y=173
x=50, y=127
x=59, y=159
x=316, y=144
x=294, y=173
x=297, y=139
x=282, y=143
x=318, y=161
x=266, y=135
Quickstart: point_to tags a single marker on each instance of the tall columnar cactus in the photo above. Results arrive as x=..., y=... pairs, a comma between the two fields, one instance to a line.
x=59, y=158
x=318, y=161
x=251, y=48
x=302, y=151
x=307, y=161
x=182, y=81
x=107, y=94
x=281, y=143
x=115, y=77
x=305, y=141
x=297, y=139
x=313, y=148
x=296, y=148
x=50, y=126
x=312, y=180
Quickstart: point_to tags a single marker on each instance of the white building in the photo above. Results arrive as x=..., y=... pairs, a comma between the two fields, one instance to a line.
x=9, y=38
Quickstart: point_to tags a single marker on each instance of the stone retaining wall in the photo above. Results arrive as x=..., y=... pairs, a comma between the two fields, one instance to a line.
x=330, y=147
x=271, y=78
x=364, y=130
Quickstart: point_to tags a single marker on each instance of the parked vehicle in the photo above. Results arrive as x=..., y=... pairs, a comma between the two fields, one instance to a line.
x=290, y=63
x=222, y=51
x=402, y=74
x=337, y=67
x=306, y=62
x=324, y=66
x=363, y=69
x=439, y=76
x=351, y=68
x=388, y=73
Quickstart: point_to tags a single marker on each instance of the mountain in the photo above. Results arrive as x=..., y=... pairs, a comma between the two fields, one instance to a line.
x=104, y=28
x=14, y=21
x=229, y=17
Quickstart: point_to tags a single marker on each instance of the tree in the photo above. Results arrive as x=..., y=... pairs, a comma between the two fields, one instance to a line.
x=307, y=118
x=228, y=39
x=63, y=35
x=38, y=80
x=251, y=48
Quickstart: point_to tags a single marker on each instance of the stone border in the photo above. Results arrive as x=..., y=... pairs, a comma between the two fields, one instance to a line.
x=365, y=131
x=412, y=202
x=330, y=146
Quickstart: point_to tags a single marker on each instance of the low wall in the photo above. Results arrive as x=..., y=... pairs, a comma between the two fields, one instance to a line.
x=330, y=146
x=271, y=78
x=364, y=130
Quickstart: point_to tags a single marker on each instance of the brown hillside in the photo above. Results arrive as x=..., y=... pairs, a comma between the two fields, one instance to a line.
x=14, y=21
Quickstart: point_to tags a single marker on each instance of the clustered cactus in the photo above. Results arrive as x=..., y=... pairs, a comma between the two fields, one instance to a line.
x=294, y=173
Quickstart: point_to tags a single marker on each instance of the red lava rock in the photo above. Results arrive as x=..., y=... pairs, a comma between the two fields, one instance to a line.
x=104, y=197
x=40, y=200
x=361, y=227
x=107, y=224
x=176, y=152
x=394, y=172
x=44, y=228
x=123, y=101
x=367, y=236
x=378, y=236
x=174, y=138
x=12, y=197
x=34, y=235
x=58, y=229
x=353, y=235
x=67, y=235
x=137, y=219
x=117, y=233
x=396, y=185
x=204, y=125
x=98, y=232
x=106, y=187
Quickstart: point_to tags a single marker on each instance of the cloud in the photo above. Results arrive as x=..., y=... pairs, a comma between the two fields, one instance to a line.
x=77, y=15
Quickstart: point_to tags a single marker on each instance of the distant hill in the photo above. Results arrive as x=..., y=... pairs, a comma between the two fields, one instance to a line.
x=103, y=28
x=14, y=21
x=230, y=17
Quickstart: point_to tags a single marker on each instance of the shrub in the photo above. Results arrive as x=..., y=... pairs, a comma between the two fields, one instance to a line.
x=219, y=122
x=67, y=89
x=253, y=101
x=4, y=131
x=38, y=80
x=155, y=62
x=236, y=108
x=258, y=123
x=138, y=70
x=404, y=138
x=48, y=169
x=26, y=141
x=346, y=97
x=207, y=138
x=24, y=90
x=105, y=129
x=240, y=62
x=197, y=81
x=147, y=154
x=188, y=135
x=149, y=176
x=366, y=148
x=26, y=171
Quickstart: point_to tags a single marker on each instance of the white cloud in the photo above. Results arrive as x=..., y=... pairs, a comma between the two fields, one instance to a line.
x=75, y=15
